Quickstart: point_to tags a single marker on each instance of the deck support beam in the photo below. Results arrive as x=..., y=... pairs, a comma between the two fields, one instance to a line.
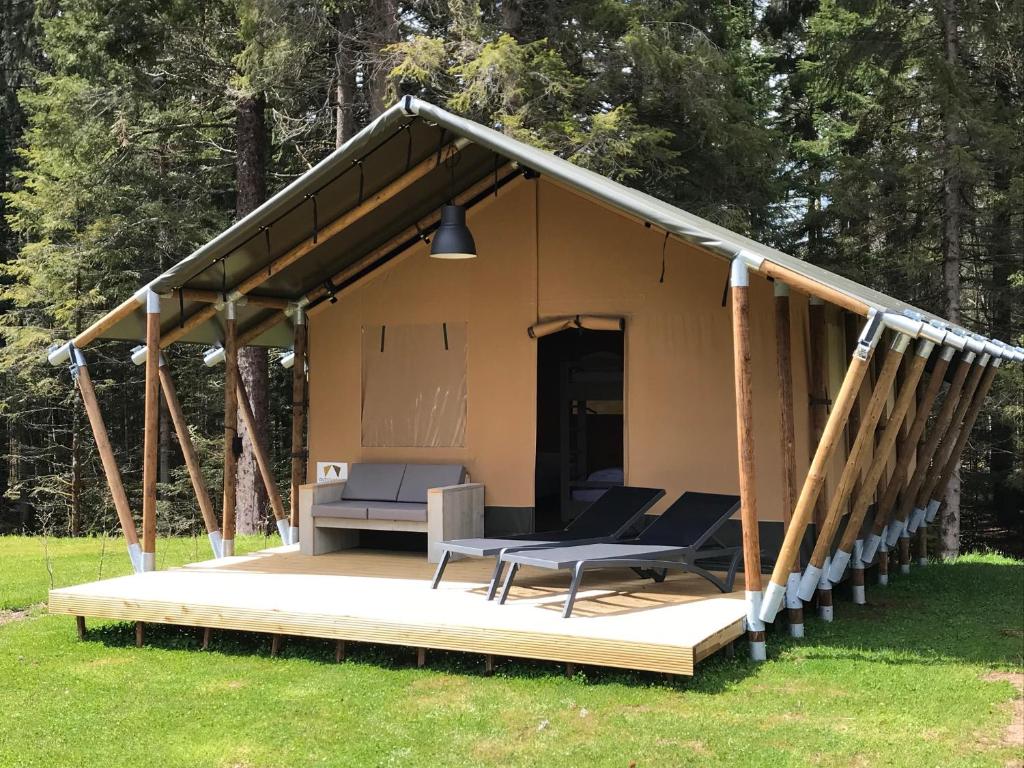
x=188, y=452
x=80, y=373
x=787, y=431
x=831, y=434
x=905, y=453
x=739, y=282
x=815, y=577
x=151, y=432
x=262, y=461
x=848, y=545
x=231, y=447
x=298, y=421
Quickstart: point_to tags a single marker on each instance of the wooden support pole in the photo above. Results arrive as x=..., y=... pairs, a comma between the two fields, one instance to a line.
x=819, y=392
x=262, y=460
x=913, y=508
x=488, y=664
x=894, y=520
x=922, y=545
x=359, y=272
x=151, y=432
x=883, y=453
x=938, y=491
x=851, y=332
x=740, y=289
x=80, y=627
x=421, y=657
x=275, y=644
x=814, y=575
x=298, y=420
x=814, y=288
x=188, y=452
x=904, y=554
x=108, y=321
x=253, y=332
x=140, y=634
x=787, y=431
x=339, y=651
x=831, y=435
x=80, y=372
x=325, y=233
x=207, y=632
x=231, y=448
x=216, y=297
x=905, y=453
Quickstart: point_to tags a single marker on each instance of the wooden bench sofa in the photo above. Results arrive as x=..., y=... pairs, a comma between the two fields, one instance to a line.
x=425, y=498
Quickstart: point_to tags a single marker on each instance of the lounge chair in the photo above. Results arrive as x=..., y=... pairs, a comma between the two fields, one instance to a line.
x=609, y=518
x=675, y=540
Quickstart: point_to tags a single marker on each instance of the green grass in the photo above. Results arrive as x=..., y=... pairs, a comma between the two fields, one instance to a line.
x=898, y=682
x=26, y=562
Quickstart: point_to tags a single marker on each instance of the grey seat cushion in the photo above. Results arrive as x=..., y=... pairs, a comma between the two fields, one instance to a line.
x=419, y=478
x=350, y=510
x=396, y=510
x=373, y=482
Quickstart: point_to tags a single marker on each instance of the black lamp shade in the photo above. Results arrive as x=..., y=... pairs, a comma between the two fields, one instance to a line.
x=453, y=240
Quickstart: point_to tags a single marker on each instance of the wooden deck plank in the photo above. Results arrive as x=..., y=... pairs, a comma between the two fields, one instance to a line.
x=366, y=596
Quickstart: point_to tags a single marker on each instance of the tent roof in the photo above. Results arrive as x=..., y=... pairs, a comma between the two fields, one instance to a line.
x=406, y=135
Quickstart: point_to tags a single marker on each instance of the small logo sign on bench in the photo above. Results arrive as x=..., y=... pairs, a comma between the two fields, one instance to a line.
x=330, y=471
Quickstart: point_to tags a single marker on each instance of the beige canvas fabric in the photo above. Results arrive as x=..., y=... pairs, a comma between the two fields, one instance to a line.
x=538, y=263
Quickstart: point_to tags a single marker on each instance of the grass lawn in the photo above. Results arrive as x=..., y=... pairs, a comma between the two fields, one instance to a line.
x=919, y=677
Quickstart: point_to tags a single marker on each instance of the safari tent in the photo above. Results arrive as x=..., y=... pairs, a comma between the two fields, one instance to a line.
x=569, y=335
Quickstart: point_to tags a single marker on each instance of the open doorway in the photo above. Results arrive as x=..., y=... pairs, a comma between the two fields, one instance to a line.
x=579, y=421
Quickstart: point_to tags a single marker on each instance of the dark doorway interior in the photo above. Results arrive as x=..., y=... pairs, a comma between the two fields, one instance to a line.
x=579, y=421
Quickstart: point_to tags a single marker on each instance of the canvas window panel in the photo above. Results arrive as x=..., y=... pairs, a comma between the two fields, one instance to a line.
x=414, y=386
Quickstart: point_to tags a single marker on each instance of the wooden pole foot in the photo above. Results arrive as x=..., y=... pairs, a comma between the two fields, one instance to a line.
x=570, y=669
x=140, y=634
x=339, y=651
x=488, y=665
x=80, y=626
x=205, y=645
x=275, y=645
x=421, y=657
x=904, y=543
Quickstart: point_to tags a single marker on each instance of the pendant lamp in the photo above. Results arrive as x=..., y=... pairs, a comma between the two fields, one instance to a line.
x=453, y=240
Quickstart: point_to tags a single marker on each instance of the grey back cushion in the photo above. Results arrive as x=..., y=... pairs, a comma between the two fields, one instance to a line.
x=373, y=482
x=421, y=477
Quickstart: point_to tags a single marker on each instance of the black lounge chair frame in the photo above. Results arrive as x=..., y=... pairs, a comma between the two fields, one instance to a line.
x=642, y=500
x=648, y=560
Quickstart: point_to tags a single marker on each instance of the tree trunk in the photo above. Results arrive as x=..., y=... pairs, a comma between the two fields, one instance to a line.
x=345, y=119
x=1007, y=498
x=512, y=18
x=250, y=179
x=952, y=226
x=382, y=16
x=76, y=472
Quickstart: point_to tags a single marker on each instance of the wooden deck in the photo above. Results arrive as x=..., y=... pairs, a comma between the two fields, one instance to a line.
x=385, y=597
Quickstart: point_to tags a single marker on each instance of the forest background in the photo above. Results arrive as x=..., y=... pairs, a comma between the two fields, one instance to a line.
x=880, y=139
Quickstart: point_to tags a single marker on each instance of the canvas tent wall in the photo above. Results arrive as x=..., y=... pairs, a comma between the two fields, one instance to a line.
x=546, y=251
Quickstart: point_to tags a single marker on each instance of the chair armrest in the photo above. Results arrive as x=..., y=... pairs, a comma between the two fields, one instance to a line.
x=322, y=493
x=446, y=489
x=309, y=495
x=453, y=512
